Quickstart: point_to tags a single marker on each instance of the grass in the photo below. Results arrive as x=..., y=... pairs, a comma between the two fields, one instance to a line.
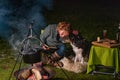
x=7, y=63
x=90, y=20
x=6, y=67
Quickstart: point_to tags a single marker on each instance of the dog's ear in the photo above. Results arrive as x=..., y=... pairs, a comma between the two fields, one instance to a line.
x=75, y=32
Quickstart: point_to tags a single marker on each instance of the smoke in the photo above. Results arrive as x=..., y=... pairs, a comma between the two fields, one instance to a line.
x=16, y=15
x=5, y=30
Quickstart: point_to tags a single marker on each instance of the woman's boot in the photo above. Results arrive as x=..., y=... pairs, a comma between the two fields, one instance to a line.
x=54, y=60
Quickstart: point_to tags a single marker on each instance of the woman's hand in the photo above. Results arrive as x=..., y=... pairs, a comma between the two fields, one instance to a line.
x=45, y=47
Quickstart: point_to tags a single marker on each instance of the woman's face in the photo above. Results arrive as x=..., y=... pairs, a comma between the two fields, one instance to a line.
x=63, y=33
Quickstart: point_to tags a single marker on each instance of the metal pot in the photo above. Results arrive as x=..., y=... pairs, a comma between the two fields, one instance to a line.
x=31, y=58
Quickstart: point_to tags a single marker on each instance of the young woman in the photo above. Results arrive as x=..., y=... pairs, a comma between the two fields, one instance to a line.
x=53, y=36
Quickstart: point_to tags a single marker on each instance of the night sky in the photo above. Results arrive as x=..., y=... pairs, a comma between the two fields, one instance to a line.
x=74, y=3
x=15, y=15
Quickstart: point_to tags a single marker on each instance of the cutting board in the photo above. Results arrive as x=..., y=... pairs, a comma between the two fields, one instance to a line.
x=106, y=43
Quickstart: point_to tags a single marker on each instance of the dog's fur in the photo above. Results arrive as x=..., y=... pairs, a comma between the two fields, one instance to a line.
x=77, y=67
x=80, y=47
x=78, y=54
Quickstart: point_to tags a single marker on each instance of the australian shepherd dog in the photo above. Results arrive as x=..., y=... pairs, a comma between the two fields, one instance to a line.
x=81, y=48
x=79, y=45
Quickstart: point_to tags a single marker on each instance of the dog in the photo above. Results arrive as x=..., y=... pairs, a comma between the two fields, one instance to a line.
x=79, y=45
x=69, y=65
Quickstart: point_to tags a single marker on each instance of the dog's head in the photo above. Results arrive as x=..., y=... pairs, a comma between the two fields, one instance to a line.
x=80, y=41
x=77, y=39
